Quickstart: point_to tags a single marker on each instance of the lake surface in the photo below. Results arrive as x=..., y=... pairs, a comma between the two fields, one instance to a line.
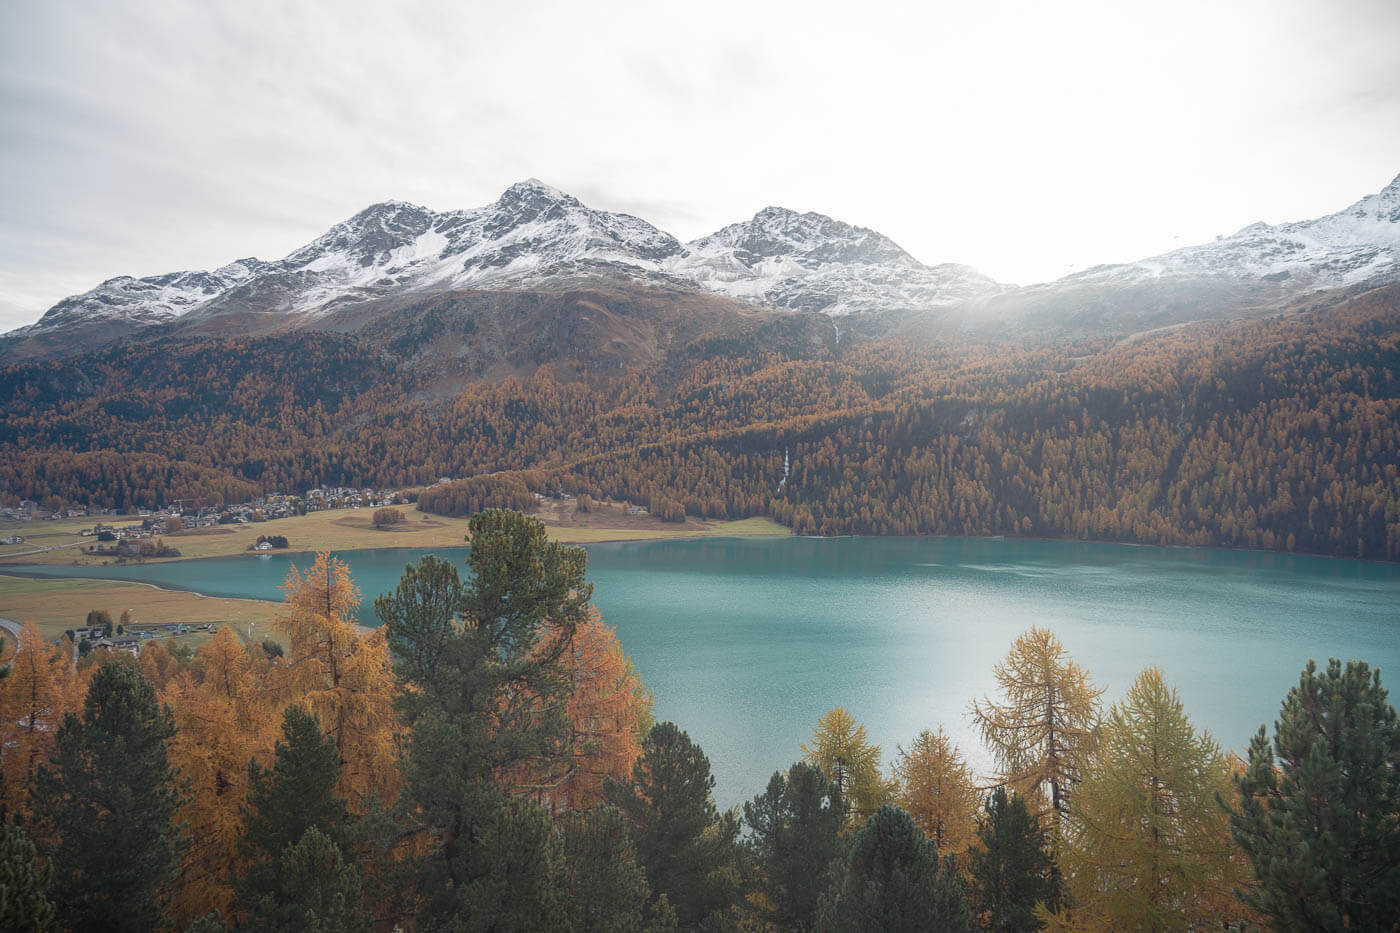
x=745, y=642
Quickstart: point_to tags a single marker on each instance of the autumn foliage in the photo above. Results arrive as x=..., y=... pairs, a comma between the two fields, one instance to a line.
x=488, y=755
x=610, y=711
x=224, y=718
x=1281, y=433
x=937, y=789
x=342, y=675
x=41, y=687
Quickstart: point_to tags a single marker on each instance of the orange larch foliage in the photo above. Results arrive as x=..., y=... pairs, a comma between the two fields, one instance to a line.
x=224, y=718
x=610, y=711
x=41, y=688
x=343, y=675
x=157, y=664
x=936, y=788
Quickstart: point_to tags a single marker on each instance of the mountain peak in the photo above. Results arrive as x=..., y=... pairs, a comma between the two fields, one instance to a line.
x=776, y=212
x=389, y=209
x=811, y=262
x=807, y=221
x=532, y=189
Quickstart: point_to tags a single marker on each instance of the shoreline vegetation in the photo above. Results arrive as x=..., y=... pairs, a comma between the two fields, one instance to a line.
x=58, y=603
x=554, y=791
x=354, y=530
x=46, y=600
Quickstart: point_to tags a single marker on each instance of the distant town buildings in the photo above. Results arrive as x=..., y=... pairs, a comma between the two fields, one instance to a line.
x=155, y=523
x=129, y=642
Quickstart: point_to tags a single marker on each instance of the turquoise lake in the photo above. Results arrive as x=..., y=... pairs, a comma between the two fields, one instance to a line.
x=745, y=642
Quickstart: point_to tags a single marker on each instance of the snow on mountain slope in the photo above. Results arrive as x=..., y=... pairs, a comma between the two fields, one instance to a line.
x=531, y=235
x=529, y=231
x=151, y=300
x=809, y=262
x=1356, y=246
x=535, y=235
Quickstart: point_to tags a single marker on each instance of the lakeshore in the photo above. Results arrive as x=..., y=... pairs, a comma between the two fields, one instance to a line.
x=59, y=603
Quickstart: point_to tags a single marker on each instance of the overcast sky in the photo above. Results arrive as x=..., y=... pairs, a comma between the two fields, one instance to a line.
x=1027, y=139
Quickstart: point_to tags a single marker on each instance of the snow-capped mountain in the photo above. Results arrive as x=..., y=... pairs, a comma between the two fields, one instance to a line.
x=534, y=237
x=1356, y=246
x=1262, y=269
x=533, y=234
x=152, y=300
x=809, y=262
x=531, y=231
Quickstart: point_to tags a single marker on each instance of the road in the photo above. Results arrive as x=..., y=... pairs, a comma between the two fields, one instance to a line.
x=44, y=550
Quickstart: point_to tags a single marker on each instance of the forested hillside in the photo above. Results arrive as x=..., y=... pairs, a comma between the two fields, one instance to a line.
x=1278, y=433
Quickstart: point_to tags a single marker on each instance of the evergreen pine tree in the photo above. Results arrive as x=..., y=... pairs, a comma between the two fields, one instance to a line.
x=316, y=891
x=686, y=848
x=1011, y=868
x=795, y=835
x=107, y=800
x=485, y=693
x=523, y=889
x=24, y=903
x=284, y=803
x=604, y=888
x=1319, y=810
x=420, y=617
x=893, y=881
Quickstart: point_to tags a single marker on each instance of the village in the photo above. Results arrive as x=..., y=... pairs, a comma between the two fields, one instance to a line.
x=128, y=638
x=192, y=514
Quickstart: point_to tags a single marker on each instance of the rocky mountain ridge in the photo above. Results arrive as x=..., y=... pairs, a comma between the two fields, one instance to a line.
x=533, y=236
x=1359, y=245
x=536, y=237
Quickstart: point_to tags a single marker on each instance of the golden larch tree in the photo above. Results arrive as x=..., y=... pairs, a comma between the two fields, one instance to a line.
x=935, y=786
x=224, y=718
x=158, y=664
x=610, y=711
x=343, y=675
x=1044, y=725
x=42, y=685
x=1146, y=846
x=840, y=748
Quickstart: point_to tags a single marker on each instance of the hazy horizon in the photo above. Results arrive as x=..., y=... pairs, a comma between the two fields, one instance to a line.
x=1028, y=142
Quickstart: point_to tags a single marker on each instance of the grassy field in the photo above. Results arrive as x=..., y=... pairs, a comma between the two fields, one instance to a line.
x=56, y=605
x=742, y=528
x=353, y=529
x=337, y=530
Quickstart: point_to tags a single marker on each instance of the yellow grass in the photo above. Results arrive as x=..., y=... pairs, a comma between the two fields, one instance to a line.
x=333, y=530
x=58, y=604
x=55, y=605
x=744, y=527
x=353, y=529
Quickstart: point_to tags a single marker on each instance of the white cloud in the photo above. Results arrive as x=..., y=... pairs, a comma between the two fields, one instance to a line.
x=1023, y=138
